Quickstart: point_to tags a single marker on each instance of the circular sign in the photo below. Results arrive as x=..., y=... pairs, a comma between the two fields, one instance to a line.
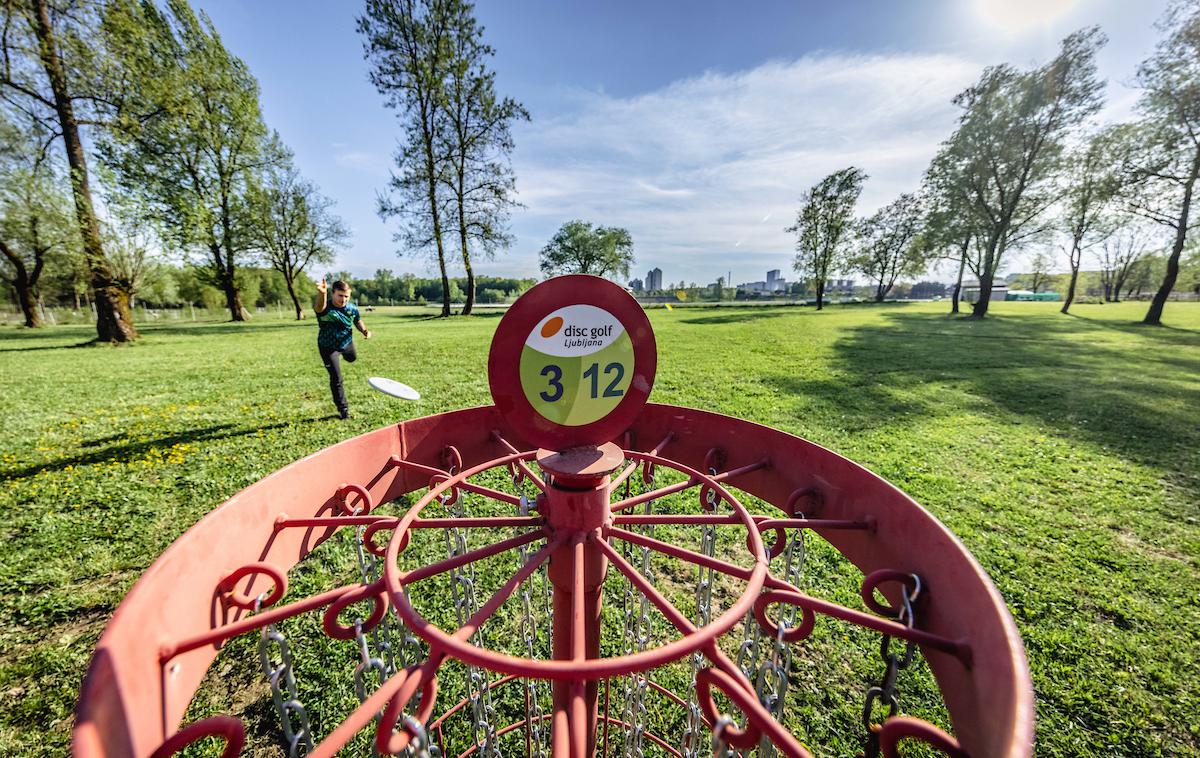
x=572, y=362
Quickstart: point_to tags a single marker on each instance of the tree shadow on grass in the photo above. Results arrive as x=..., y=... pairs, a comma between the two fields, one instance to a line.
x=230, y=328
x=135, y=450
x=743, y=315
x=25, y=349
x=1068, y=374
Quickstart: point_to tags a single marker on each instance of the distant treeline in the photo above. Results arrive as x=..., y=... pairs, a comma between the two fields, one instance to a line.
x=166, y=286
x=385, y=288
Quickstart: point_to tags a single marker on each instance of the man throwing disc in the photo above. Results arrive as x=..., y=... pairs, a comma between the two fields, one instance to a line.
x=335, y=340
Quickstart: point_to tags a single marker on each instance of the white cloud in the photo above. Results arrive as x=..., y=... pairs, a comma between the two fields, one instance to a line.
x=697, y=169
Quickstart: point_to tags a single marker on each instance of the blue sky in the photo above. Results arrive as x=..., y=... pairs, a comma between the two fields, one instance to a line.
x=695, y=125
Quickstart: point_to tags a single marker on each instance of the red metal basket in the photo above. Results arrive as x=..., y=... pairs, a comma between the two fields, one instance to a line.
x=227, y=576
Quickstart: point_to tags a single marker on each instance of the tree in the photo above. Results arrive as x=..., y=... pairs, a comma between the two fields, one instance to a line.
x=886, y=248
x=52, y=63
x=476, y=137
x=1091, y=185
x=823, y=223
x=950, y=227
x=408, y=44
x=1039, y=273
x=1001, y=161
x=1119, y=255
x=35, y=219
x=1162, y=151
x=194, y=162
x=579, y=248
x=296, y=225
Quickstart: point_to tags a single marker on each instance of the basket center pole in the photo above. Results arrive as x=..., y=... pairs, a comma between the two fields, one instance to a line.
x=576, y=503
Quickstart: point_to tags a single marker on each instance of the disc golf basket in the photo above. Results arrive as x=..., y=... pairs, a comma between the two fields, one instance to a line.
x=568, y=572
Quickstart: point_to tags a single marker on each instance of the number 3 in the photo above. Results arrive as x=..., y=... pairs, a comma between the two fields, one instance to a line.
x=555, y=382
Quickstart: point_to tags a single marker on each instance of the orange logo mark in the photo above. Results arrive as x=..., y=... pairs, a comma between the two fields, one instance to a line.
x=551, y=327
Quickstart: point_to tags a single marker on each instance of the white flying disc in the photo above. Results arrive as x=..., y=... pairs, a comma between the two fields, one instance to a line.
x=394, y=388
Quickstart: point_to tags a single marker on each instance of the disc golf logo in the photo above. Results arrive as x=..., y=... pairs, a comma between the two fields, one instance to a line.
x=576, y=365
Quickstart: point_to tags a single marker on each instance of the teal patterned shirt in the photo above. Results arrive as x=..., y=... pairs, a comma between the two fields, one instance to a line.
x=337, y=326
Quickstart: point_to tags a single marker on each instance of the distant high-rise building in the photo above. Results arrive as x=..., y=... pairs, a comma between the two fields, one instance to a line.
x=635, y=285
x=772, y=275
x=654, y=279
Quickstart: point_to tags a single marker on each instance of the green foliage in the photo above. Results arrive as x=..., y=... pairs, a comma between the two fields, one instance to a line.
x=37, y=223
x=1161, y=152
x=823, y=226
x=1000, y=164
x=578, y=247
x=886, y=244
x=192, y=163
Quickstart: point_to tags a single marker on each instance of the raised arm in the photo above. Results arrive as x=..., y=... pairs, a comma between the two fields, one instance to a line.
x=320, y=303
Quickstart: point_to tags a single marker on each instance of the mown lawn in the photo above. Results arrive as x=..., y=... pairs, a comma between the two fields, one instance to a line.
x=1064, y=451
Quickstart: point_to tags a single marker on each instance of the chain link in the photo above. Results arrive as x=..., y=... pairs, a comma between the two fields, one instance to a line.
x=692, y=740
x=462, y=593
x=276, y=658
x=884, y=693
x=774, y=672
x=636, y=633
x=539, y=735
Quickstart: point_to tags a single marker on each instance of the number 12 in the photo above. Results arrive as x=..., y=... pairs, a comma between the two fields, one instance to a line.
x=611, y=390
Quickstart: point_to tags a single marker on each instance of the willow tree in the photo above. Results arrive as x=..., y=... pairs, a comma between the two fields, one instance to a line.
x=950, y=231
x=53, y=72
x=36, y=224
x=824, y=226
x=1002, y=161
x=886, y=244
x=1091, y=186
x=1162, y=156
x=196, y=160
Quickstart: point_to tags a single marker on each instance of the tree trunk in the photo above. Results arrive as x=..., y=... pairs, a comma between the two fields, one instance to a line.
x=114, y=322
x=437, y=230
x=233, y=298
x=23, y=286
x=466, y=254
x=1154, y=315
x=466, y=311
x=962, y=265
x=880, y=292
x=820, y=294
x=1076, y=259
x=28, y=302
x=295, y=300
x=979, y=308
x=987, y=277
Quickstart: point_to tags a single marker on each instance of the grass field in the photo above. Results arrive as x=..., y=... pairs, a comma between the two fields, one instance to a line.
x=1063, y=450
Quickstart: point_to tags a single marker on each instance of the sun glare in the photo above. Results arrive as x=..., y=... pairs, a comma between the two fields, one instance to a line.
x=1019, y=15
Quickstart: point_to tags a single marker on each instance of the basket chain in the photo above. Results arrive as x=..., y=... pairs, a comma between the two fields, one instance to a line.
x=462, y=590
x=283, y=687
x=884, y=693
x=637, y=637
x=692, y=741
x=772, y=680
x=538, y=734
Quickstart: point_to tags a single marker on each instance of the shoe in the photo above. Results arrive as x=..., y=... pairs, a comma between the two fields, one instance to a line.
x=344, y=413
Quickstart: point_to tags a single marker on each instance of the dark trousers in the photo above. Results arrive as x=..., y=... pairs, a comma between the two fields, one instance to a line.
x=332, y=360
